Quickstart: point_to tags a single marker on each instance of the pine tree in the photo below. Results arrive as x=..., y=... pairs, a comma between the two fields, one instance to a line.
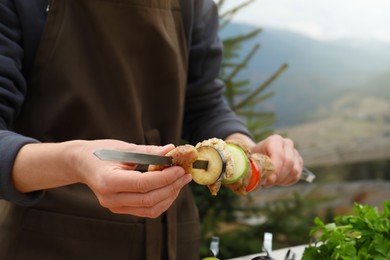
x=241, y=97
x=244, y=101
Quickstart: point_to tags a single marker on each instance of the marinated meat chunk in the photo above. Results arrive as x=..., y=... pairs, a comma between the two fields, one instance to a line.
x=183, y=155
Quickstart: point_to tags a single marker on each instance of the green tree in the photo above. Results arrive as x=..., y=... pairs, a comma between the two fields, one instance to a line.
x=242, y=97
x=244, y=100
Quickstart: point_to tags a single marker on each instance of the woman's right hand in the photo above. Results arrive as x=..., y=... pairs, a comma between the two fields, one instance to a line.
x=118, y=186
x=122, y=189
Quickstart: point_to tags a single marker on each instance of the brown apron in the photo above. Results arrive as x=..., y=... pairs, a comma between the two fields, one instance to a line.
x=104, y=69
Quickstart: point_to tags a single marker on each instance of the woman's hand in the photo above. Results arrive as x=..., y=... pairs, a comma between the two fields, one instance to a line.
x=118, y=186
x=284, y=156
x=287, y=160
x=122, y=189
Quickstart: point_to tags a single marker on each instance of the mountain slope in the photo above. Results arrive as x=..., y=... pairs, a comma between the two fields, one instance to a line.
x=318, y=73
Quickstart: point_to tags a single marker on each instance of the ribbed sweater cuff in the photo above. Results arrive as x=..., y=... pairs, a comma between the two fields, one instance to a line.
x=10, y=146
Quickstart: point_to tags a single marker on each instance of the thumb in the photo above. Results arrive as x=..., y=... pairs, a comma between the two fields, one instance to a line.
x=153, y=149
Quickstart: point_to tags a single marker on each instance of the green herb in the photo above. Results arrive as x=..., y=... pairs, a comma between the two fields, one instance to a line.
x=363, y=235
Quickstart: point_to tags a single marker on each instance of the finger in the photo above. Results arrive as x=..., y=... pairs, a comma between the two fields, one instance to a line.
x=294, y=173
x=127, y=166
x=148, y=212
x=299, y=166
x=119, y=180
x=281, y=155
x=270, y=181
x=288, y=163
x=271, y=145
x=131, y=199
x=278, y=150
x=153, y=149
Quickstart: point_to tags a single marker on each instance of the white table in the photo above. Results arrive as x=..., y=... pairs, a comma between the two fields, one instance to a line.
x=277, y=254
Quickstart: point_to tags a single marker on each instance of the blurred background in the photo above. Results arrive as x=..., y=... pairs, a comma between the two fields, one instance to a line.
x=317, y=72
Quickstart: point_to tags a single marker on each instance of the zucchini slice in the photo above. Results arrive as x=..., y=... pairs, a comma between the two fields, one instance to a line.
x=215, y=169
x=240, y=163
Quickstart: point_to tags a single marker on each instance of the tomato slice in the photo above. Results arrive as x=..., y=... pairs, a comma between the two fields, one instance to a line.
x=255, y=178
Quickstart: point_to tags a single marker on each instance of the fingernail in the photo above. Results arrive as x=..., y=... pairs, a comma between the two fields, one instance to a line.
x=270, y=181
x=168, y=146
x=187, y=178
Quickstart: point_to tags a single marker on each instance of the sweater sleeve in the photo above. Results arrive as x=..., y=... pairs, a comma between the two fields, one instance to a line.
x=12, y=93
x=206, y=112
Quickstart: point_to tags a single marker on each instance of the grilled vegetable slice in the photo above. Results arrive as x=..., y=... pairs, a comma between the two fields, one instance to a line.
x=240, y=163
x=216, y=166
x=255, y=178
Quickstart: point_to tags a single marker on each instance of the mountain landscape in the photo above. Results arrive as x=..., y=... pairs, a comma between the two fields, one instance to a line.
x=334, y=98
x=318, y=72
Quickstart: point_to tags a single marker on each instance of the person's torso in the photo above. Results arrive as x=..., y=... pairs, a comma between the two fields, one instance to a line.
x=106, y=69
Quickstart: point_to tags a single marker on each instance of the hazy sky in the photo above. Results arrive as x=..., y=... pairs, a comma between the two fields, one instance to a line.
x=322, y=19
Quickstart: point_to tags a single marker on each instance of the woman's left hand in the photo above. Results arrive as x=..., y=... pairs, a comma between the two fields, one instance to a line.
x=287, y=160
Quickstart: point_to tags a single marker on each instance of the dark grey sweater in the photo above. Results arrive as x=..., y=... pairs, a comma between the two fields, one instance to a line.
x=21, y=26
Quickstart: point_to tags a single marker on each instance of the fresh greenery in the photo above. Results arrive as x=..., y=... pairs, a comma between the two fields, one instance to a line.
x=286, y=219
x=363, y=235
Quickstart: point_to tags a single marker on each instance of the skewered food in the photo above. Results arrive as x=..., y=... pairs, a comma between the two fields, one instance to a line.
x=244, y=170
x=230, y=163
